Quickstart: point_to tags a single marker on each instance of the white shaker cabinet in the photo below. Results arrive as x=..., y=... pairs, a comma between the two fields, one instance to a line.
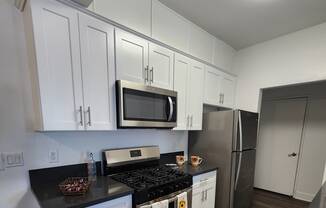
x=131, y=57
x=204, y=190
x=69, y=77
x=160, y=66
x=195, y=95
x=140, y=61
x=219, y=88
x=123, y=202
x=212, y=89
x=182, y=66
x=56, y=66
x=228, y=85
x=189, y=83
x=97, y=55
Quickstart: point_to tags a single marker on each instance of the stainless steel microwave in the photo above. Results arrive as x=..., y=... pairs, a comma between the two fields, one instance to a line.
x=143, y=106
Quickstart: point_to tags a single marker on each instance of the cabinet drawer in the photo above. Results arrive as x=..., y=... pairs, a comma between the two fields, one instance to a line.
x=204, y=177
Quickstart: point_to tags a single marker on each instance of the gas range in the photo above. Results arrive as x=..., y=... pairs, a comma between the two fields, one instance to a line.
x=150, y=181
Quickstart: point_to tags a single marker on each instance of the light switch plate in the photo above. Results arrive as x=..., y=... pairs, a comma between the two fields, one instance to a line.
x=53, y=156
x=14, y=159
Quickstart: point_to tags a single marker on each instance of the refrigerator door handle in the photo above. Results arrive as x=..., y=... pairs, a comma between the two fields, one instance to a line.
x=240, y=132
x=238, y=171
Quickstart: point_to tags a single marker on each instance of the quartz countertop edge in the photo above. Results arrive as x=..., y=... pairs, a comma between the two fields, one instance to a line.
x=102, y=190
x=194, y=171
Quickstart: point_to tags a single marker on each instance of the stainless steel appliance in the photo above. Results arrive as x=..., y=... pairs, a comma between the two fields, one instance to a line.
x=228, y=139
x=139, y=169
x=142, y=106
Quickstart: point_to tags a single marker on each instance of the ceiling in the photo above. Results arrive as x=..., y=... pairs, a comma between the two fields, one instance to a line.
x=242, y=23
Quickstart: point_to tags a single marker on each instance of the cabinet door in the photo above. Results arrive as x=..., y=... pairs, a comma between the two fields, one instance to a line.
x=197, y=197
x=210, y=195
x=131, y=57
x=212, y=86
x=228, y=90
x=97, y=52
x=160, y=66
x=195, y=95
x=181, y=69
x=58, y=65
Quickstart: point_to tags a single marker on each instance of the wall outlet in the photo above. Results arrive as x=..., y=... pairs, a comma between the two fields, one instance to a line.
x=2, y=162
x=53, y=156
x=14, y=159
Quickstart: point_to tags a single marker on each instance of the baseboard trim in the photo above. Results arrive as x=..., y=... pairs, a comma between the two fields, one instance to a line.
x=303, y=196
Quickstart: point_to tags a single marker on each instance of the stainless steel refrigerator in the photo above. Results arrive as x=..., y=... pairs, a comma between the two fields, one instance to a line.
x=228, y=140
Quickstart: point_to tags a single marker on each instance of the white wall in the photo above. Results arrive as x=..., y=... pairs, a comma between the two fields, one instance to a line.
x=294, y=58
x=16, y=118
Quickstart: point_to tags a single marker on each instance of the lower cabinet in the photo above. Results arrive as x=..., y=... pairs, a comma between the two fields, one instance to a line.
x=123, y=202
x=204, y=190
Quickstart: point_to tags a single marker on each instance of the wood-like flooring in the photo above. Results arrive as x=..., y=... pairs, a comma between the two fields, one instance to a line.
x=266, y=199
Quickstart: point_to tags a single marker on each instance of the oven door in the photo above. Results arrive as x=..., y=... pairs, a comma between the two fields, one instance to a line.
x=173, y=199
x=141, y=106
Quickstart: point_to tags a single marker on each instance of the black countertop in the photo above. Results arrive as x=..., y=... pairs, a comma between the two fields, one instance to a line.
x=101, y=190
x=320, y=199
x=194, y=171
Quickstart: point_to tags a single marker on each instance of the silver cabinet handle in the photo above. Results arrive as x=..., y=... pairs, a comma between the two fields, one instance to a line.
x=81, y=122
x=152, y=74
x=89, y=116
x=187, y=121
x=146, y=73
x=202, y=196
x=171, y=108
x=191, y=120
x=220, y=101
x=205, y=194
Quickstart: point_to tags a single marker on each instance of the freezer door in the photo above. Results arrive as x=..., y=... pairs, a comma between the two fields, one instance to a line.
x=245, y=130
x=244, y=170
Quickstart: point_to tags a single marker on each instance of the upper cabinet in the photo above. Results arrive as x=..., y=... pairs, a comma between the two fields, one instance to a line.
x=201, y=43
x=133, y=14
x=189, y=83
x=219, y=88
x=72, y=82
x=141, y=61
x=160, y=66
x=223, y=55
x=131, y=57
x=213, y=79
x=169, y=27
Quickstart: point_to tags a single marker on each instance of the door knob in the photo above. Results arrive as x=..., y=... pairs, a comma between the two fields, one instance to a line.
x=292, y=155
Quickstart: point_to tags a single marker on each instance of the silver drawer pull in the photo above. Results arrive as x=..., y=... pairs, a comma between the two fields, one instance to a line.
x=89, y=116
x=81, y=122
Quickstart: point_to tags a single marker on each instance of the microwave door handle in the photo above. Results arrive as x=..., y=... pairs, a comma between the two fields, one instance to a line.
x=171, y=109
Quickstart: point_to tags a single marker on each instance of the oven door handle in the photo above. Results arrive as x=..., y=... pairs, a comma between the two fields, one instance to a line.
x=171, y=108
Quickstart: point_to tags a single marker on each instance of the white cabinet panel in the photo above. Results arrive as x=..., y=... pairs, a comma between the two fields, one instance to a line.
x=133, y=14
x=131, y=57
x=58, y=65
x=228, y=90
x=97, y=52
x=181, y=68
x=223, y=55
x=161, y=66
x=212, y=89
x=201, y=43
x=204, y=190
x=123, y=202
x=195, y=95
x=169, y=27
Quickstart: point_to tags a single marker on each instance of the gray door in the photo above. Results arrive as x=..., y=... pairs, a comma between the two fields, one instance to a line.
x=243, y=178
x=246, y=131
